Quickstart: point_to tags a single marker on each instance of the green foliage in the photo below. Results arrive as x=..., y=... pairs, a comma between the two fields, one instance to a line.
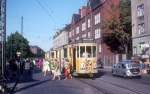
x=119, y=40
x=17, y=43
x=125, y=15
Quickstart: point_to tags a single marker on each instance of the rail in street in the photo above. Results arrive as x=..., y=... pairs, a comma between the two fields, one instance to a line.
x=105, y=84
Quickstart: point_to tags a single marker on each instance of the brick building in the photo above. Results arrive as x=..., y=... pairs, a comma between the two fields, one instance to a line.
x=37, y=51
x=88, y=25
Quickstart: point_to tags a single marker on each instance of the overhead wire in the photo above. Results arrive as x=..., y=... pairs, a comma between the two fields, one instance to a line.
x=47, y=10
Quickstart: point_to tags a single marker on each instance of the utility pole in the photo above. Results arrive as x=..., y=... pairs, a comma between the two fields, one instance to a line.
x=3, y=45
x=22, y=25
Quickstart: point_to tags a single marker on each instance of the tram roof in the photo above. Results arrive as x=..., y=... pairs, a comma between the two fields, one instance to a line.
x=85, y=41
x=83, y=44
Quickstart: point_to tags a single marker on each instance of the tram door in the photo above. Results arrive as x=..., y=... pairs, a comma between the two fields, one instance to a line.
x=74, y=58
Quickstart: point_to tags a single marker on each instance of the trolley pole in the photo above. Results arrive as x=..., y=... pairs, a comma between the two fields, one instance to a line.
x=3, y=87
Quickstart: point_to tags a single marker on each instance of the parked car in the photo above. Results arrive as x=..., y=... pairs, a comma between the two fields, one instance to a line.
x=126, y=68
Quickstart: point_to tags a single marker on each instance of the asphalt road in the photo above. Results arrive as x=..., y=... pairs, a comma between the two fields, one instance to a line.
x=103, y=84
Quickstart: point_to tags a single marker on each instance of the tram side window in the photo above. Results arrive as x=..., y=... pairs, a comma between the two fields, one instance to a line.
x=82, y=51
x=52, y=55
x=65, y=52
x=70, y=52
x=94, y=51
x=89, y=51
x=56, y=55
x=77, y=51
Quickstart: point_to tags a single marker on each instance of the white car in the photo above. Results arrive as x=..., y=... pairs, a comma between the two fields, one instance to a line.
x=126, y=69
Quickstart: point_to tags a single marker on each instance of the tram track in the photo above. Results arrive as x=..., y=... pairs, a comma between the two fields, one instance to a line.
x=95, y=87
x=104, y=91
x=123, y=87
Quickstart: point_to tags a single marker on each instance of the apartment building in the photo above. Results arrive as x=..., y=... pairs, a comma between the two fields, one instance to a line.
x=60, y=41
x=141, y=28
x=37, y=51
x=87, y=25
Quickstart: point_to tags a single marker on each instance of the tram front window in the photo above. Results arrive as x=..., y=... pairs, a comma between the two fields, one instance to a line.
x=82, y=51
x=89, y=51
x=94, y=51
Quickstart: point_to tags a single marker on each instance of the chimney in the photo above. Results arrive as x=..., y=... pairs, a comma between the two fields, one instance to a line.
x=79, y=11
x=83, y=11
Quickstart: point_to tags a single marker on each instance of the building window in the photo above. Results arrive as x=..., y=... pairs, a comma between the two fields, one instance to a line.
x=140, y=10
x=83, y=26
x=83, y=35
x=89, y=35
x=141, y=28
x=77, y=30
x=89, y=23
x=97, y=18
x=144, y=47
x=97, y=33
x=77, y=38
x=134, y=50
x=73, y=33
x=69, y=34
x=100, y=48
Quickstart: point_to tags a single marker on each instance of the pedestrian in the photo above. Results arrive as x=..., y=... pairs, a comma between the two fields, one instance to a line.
x=27, y=67
x=34, y=62
x=46, y=67
x=68, y=69
x=63, y=66
x=22, y=66
x=56, y=71
x=13, y=69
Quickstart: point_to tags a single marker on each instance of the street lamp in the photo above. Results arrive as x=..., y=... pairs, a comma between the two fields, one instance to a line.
x=18, y=54
x=3, y=46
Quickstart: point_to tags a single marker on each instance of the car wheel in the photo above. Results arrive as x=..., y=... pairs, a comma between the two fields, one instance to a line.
x=124, y=75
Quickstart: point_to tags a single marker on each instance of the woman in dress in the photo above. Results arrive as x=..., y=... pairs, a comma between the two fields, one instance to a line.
x=46, y=67
x=56, y=71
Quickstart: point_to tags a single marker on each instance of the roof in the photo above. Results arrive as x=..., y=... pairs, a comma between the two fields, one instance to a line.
x=94, y=3
x=76, y=18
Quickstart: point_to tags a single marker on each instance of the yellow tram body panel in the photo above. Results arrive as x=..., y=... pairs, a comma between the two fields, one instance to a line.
x=86, y=66
x=83, y=65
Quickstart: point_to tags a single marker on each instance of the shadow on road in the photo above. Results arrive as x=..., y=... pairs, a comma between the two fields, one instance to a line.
x=98, y=75
x=32, y=85
x=26, y=77
x=37, y=70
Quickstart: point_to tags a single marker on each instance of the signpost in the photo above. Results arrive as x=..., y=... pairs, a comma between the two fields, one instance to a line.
x=2, y=46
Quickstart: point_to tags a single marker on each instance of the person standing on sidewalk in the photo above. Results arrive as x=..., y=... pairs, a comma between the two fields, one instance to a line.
x=68, y=70
x=56, y=71
x=46, y=67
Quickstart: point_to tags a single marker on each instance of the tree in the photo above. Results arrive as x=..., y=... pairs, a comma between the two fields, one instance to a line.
x=17, y=43
x=119, y=40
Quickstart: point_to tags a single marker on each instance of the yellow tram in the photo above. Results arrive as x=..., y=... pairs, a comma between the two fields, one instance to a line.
x=53, y=55
x=84, y=58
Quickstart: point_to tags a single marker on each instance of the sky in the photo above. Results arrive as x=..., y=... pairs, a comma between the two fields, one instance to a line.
x=42, y=18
